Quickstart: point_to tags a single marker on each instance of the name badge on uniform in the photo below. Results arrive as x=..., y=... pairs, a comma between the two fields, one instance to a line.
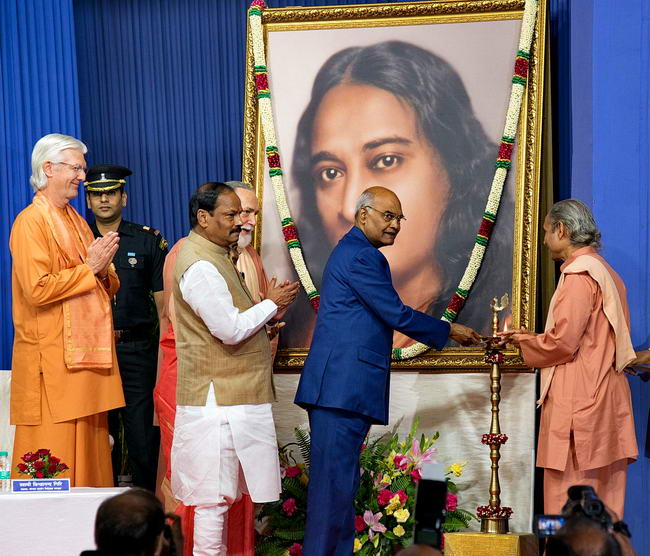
x=132, y=260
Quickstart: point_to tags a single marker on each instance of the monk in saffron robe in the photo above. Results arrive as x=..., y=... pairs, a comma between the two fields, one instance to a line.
x=586, y=431
x=64, y=371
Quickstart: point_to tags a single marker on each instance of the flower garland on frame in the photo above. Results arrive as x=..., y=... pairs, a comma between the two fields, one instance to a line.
x=503, y=163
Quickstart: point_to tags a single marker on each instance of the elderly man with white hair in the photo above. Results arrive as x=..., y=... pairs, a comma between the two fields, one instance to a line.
x=64, y=370
x=586, y=434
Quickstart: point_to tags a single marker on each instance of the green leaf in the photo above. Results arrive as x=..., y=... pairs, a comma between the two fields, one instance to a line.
x=294, y=488
x=292, y=535
x=304, y=443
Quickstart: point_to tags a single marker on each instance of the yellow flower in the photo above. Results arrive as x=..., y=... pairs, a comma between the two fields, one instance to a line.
x=393, y=505
x=357, y=545
x=386, y=480
x=401, y=515
x=398, y=531
x=457, y=468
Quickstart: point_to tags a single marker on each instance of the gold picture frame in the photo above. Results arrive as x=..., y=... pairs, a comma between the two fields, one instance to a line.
x=299, y=29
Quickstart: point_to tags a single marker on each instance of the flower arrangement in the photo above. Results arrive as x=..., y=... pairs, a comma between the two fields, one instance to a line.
x=385, y=501
x=488, y=219
x=41, y=464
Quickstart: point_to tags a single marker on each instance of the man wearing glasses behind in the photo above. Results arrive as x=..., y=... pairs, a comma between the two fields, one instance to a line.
x=345, y=383
x=64, y=369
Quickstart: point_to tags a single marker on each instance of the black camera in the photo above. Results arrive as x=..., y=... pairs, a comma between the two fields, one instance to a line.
x=584, y=500
x=430, y=503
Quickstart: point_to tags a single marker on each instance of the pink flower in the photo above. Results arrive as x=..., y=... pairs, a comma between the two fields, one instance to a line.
x=295, y=549
x=452, y=502
x=374, y=523
x=416, y=475
x=289, y=506
x=359, y=523
x=384, y=496
x=293, y=471
x=401, y=462
x=418, y=458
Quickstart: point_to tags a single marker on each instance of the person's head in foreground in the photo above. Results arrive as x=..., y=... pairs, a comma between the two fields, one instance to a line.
x=569, y=226
x=130, y=524
x=420, y=550
x=58, y=167
x=215, y=214
x=589, y=528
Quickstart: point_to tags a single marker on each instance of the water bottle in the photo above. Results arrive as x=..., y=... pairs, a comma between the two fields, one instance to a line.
x=5, y=472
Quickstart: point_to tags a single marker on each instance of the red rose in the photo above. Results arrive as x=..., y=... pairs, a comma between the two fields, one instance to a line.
x=54, y=459
x=51, y=468
x=39, y=474
x=295, y=549
x=62, y=467
x=22, y=468
x=384, y=496
x=38, y=465
x=28, y=457
x=359, y=523
x=416, y=475
x=452, y=502
x=289, y=506
x=293, y=471
x=42, y=452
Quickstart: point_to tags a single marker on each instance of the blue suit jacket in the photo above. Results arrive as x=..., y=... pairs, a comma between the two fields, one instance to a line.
x=348, y=366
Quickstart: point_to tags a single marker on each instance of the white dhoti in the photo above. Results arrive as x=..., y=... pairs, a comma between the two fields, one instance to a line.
x=217, y=453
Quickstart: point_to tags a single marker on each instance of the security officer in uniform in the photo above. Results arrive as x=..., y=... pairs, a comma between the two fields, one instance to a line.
x=139, y=265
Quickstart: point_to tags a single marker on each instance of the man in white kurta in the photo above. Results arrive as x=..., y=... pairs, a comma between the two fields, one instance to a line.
x=224, y=438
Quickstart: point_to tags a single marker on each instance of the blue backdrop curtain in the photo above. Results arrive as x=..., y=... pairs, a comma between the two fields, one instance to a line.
x=38, y=95
x=161, y=88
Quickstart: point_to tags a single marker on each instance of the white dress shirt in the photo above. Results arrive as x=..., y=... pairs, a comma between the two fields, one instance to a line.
x=206, y=292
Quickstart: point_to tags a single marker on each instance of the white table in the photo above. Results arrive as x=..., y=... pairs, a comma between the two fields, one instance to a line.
x=47, y=523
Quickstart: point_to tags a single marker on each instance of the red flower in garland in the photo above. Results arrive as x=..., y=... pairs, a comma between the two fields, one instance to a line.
x=452, y=502
x=259, y=4
x=295, y=549
x=359, y=523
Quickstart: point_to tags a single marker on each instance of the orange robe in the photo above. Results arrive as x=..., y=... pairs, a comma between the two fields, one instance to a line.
x=241, y=533
x=587, y=431
x=55, y=407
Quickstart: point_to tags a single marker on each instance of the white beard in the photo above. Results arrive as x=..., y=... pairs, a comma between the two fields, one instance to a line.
x=245, y=239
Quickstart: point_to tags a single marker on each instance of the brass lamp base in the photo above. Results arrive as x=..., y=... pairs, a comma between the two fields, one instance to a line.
x=498, y=525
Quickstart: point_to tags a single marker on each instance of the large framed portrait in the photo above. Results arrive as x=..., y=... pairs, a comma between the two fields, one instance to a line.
x=412, y=97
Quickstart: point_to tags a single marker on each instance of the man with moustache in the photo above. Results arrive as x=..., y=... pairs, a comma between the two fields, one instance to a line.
x=224, y=429
x=136, y=309
x=248, y=259
x=345, y=383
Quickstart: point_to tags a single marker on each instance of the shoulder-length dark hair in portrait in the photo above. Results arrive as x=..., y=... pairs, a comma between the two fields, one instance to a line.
x=432, y=93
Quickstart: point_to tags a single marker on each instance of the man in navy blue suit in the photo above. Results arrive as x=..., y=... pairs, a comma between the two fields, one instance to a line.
x=346, y=379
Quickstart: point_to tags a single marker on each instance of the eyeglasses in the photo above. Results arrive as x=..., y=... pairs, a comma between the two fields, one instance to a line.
x=388, y=216
x=75, y=167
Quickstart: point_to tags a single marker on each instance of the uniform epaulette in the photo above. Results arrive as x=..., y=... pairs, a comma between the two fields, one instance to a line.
x=163, y=243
